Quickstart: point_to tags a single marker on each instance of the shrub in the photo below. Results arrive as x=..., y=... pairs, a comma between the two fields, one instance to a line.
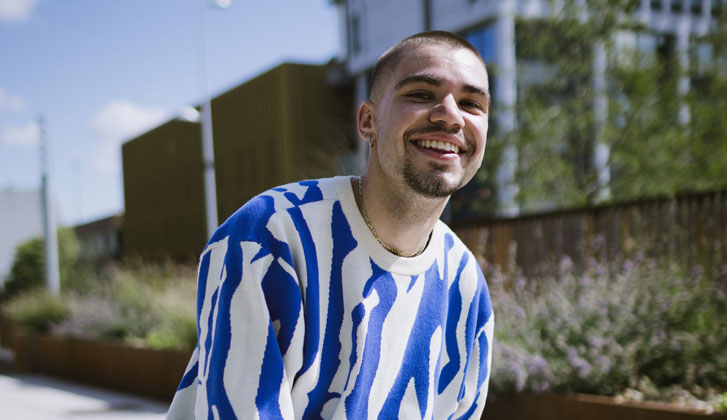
x=602, y=329
x=141, y=304
x=27, y=271
x=37, y=310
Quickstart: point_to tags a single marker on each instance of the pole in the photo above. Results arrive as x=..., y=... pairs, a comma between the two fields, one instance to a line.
x=50, y=231
x=208, y=154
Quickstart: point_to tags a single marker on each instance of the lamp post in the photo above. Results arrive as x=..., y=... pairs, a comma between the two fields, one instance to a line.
x=208, y=153
x=50, y=234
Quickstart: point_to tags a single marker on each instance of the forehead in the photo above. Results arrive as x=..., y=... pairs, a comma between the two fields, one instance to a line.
x=457, y=65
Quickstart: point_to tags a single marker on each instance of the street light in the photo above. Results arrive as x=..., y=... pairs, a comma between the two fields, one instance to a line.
x=50, y=234
x=208, y=153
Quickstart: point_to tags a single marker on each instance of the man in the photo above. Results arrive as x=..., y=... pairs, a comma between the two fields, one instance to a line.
x=347, y=298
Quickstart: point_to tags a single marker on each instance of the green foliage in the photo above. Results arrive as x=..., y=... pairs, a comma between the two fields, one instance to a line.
x=604, y=329
x=28, y=269
x=651, y=152
x=37, y=310
x=141, y=304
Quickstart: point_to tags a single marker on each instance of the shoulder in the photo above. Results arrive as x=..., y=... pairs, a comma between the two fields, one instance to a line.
x=451, y=241
x=460, y=254
x=250, y=221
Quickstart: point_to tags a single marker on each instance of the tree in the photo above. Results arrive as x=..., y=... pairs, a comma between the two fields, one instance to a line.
x=27, y=271
x=651, y=153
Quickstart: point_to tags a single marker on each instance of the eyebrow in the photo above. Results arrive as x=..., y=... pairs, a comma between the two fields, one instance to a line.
x=436, y=81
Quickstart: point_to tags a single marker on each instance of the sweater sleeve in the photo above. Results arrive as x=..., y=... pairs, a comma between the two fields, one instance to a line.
x=477, y=378
x=248, y=311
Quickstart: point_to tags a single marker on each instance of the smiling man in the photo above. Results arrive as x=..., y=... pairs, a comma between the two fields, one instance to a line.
x=347, y=298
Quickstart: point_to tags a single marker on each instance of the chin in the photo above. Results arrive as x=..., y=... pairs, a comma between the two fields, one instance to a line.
x=432, y=183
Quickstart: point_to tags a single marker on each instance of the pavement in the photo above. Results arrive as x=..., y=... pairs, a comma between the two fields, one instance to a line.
x=31, y=397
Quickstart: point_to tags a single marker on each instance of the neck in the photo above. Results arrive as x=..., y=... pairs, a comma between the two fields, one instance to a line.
x=402, y=220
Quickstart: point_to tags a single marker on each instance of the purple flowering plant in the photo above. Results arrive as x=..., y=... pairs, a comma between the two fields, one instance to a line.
x=606, y=328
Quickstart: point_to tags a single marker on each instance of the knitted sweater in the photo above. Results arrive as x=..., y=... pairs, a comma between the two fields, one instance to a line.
x=302, y=314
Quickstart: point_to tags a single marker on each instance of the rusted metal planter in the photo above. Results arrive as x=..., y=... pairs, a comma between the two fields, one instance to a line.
x=6, y=332
x=145, y=372
x=584, y=407
x=156, y=374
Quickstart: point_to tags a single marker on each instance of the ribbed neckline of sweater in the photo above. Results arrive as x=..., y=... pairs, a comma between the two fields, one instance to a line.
x=380, y=256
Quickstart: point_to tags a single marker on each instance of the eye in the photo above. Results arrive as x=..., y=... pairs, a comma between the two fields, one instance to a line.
x=420, y=95
x=469, y=103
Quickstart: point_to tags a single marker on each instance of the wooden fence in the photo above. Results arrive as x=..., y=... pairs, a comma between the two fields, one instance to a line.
x=688, y=228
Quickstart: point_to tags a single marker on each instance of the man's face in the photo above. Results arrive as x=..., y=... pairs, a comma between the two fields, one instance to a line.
x=430, y=119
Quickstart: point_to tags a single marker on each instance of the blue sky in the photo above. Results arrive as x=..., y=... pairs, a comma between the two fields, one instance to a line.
x=103, y=71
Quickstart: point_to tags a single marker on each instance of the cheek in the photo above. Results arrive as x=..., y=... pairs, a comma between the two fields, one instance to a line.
x=482, y=133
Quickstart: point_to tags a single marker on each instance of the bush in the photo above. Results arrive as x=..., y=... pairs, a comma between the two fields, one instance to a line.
x=37, y=310
x=140, y=304
x=603, y=329
x=28, y=269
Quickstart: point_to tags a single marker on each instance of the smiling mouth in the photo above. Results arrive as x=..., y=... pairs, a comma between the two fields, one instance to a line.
x=438, y=146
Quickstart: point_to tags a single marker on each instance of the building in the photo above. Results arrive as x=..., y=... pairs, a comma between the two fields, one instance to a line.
x=292, y=122
x=20, y=220
x=100, y=241
x=371, y=26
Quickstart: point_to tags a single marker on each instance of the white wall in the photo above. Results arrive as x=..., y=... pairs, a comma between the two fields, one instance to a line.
x=20, y=220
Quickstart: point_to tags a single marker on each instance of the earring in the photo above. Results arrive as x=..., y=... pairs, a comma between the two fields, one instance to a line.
x=371, y=141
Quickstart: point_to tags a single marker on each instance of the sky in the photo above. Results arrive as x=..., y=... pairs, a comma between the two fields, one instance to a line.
x=101, y=72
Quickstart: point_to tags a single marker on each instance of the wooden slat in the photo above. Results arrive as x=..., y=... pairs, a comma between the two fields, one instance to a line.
x=690, y=229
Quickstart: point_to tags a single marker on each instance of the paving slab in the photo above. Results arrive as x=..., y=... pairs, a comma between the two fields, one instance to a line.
x=31, y=397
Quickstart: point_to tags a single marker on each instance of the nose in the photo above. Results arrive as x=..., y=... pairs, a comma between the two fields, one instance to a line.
x=447, y=113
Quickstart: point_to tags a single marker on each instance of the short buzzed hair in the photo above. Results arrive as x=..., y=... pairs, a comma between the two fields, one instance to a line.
x=390, y=58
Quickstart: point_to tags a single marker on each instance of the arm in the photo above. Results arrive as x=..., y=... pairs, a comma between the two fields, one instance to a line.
x=239, y=371
x=477, y=376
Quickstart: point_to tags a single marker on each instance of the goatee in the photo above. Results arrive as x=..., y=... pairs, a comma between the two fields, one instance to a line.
x=428, y=183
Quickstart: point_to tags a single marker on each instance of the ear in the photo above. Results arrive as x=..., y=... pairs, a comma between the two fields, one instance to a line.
x=365, y=120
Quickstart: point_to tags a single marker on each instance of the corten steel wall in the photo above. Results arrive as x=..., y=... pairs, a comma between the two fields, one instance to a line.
x=285, y=125
x=163, y=190
x=690, y=229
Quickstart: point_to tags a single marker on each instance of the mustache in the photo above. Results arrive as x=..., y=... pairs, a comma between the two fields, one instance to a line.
x=433, y=128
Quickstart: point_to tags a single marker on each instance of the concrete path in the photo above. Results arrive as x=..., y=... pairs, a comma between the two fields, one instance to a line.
x=31, y=397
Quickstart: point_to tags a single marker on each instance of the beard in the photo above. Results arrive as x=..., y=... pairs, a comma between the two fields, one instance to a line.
x=429, y=183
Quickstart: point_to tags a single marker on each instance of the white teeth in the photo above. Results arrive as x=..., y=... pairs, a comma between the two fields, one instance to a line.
x=440, y=145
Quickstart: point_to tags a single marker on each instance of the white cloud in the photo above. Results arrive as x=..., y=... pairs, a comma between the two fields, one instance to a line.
x=116, y=123
x=16, y=10
x=10, y=102
x=26, y=135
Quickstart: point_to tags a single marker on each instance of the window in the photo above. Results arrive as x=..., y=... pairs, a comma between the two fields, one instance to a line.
x=695, y=7
x=718, y=7
x=676, y=6
x=355, y=34
x=655, y=4
x=484, y=39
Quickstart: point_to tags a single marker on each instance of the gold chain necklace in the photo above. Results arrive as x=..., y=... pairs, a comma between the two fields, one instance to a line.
x=373, y=232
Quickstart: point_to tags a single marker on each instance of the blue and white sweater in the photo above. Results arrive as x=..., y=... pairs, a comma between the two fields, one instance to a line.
x=303, y=315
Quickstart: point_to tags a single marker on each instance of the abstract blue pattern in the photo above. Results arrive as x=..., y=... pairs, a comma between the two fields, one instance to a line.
x=301, y=315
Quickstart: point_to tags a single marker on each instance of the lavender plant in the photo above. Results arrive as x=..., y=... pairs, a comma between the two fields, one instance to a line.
x=141, y=304
x=605, y=328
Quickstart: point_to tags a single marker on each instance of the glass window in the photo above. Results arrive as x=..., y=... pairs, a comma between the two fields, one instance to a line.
x=696, y=7
x=484, y=39
x=655, y=4
x=355, y=34
x=702, y=56
x=676, y=6
x=718, y=7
